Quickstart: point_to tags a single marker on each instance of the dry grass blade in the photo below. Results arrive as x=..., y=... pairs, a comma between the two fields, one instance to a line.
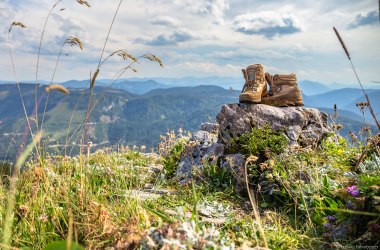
x=14, y=24
x=252, y=199
x=83, y=2
x=153, y=58
x=74, y=41
x=125, y=55
x=342, y=43
x=58, y=88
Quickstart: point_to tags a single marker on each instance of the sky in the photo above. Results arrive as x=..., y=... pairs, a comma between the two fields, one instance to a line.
x=196, y=38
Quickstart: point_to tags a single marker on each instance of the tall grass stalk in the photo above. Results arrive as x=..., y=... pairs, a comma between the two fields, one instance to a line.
x=252, y=199
x=19, y=24
x=71, y=41
x=38, y=58
x=87, y=117
x=12, y=190
x=70, y=123
x=93, y=79
x=357, y=76
x=39, y=55
x=117, y=76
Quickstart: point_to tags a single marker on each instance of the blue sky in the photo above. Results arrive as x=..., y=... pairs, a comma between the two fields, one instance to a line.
x=197, y=37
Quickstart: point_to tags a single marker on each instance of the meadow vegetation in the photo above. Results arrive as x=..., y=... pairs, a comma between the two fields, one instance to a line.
x=308, y=198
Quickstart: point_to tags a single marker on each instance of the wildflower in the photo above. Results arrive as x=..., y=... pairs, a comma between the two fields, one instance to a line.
x=354, y=138
x=327, y=225
x=353, y=191
x=331, y=218
x=338, y=126
x=180, y=131
x=44, y=218
x=23, y=210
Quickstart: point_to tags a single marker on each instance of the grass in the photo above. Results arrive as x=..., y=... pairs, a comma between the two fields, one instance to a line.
x=48, y=195
x=296, y=190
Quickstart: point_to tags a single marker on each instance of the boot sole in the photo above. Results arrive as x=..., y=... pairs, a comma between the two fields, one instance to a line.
x=283, y=102
x=249, y=99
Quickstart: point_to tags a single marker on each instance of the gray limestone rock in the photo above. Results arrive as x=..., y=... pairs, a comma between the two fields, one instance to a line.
x=301, y=125
x=204, y=138
x=212, y=128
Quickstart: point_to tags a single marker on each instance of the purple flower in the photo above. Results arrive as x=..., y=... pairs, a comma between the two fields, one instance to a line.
x=331, y=218
x=353, y=191
x=327, y=225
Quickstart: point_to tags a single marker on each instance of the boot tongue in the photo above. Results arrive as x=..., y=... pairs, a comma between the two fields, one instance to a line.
x=252, y=75
x=269, y=80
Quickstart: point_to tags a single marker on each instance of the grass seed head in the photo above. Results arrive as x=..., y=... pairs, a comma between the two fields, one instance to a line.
x=125, y=55
x=153, y=58
x=342, y=43
x=58, y=87
x=94, y=78
x=74, y=41
x=83, y=2
x=18, y=24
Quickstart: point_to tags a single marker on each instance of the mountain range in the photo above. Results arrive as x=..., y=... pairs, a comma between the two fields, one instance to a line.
x=143, y=85
x=137, y=112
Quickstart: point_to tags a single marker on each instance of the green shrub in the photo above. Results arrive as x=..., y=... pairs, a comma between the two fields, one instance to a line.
x=262, y=139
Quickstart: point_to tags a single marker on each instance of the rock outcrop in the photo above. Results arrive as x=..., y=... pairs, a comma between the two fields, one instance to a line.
x=303, y=126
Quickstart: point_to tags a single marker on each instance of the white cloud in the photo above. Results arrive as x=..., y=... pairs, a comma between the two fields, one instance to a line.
x=215, y=9
x=369, y=18
x=172, y=38
x=165, y=21
x=267, y=23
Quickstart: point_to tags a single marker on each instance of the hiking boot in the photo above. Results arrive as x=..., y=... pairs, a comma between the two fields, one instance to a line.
x=255, y=86
x=283, y=91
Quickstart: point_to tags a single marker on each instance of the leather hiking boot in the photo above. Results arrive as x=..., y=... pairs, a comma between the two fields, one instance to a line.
x=283, y=91
x=255, y=86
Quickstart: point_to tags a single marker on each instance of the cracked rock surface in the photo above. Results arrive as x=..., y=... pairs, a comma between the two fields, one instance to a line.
x=301, y=125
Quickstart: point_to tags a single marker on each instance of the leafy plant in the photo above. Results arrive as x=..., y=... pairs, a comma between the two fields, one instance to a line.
x=215, y=178
x=371, y=165
x=263, y=139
